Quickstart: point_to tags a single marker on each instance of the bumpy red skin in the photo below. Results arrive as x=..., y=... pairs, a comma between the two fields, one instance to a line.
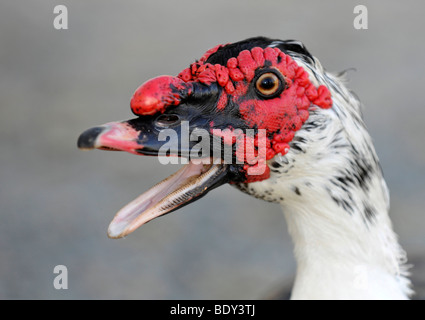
x=157, y=94
x=281, y=116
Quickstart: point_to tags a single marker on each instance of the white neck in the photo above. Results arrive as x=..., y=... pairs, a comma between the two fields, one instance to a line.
x=340, y=257
x=336, y=204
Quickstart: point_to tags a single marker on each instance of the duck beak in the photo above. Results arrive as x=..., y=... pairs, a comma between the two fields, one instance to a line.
x=138, y=136
x=113, y=136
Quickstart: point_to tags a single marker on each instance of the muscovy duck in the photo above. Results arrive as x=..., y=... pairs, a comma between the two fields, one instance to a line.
x=296, y=137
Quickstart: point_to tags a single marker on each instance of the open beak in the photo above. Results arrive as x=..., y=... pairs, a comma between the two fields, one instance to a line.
x=138, y=136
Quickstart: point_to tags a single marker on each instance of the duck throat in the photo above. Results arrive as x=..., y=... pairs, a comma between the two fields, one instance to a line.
x=341, y=254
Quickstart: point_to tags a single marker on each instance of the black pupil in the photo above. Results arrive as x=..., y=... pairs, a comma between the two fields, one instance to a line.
x=267, y=83
x=167, y=119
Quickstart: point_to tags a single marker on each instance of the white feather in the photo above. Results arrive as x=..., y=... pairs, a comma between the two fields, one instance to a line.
x=341, y=253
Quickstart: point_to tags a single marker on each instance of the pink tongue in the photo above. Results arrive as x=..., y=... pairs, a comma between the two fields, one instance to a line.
x=155, y=202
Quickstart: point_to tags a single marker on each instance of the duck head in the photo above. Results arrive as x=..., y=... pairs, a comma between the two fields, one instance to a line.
x=228, y=117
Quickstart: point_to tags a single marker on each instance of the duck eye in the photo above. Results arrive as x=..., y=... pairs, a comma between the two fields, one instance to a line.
x=167, y=120
x=269, y=85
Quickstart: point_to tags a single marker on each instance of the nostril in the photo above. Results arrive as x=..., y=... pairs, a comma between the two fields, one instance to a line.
x=87, y=139
x=167, y=120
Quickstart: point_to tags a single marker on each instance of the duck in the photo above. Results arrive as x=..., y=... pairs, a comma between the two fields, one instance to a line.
x=264, y=116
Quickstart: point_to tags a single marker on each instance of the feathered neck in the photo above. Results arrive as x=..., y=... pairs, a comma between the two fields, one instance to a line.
x=336, y=203
x=339, y=256
x=344, y=242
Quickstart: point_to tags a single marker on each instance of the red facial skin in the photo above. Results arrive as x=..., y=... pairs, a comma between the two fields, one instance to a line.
x=157, y=94
x=281, y=116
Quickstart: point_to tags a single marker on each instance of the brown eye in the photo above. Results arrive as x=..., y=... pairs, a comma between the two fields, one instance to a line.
x=269, y=85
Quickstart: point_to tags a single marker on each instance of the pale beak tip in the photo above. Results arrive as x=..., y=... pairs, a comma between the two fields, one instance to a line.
x=117, y=230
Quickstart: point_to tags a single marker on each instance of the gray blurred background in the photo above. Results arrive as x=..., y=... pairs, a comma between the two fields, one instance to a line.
x=56, y=202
